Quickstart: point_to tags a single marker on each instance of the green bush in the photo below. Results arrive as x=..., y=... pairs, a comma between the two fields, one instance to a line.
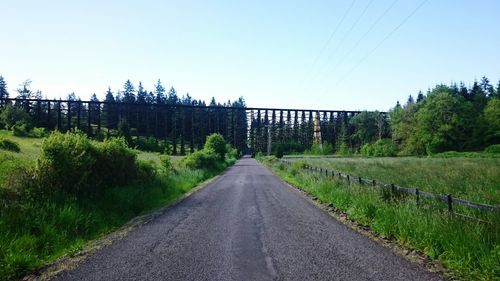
x=152, y=145
x=232, y=152
x=20, y=129
x=145, y=169
x=72, y=163
x=166, y=163
x=9, y=145
x=216, y=144
x=114, y=164
x=124, y=130
x=66, y=161
x=344, y=149
x=493, y=149
x=281, y=149
x=12, y=115
x=201, y=160
x=316, y=149
x=381, y=148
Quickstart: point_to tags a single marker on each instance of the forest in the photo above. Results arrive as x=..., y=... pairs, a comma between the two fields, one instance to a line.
x=451, y=117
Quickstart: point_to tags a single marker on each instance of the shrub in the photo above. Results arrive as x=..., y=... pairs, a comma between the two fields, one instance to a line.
x=20, y=130
x=493, y=149
x=344, y=149
x=151, y=144
x=232, y=152
x=124, y=130
x=381, y=148
x=317, y=149
x=38, y=132
x=284, y=148
x=166, y=163
x=215, y=143
x=115, y=163
x=72, y=163
x=145, y=169
x=66, y=161
x=12, y=115
x=9, y=145
x=201, y=160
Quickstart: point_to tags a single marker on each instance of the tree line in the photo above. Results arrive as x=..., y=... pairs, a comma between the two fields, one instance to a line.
x=446, y=118
x=155, y=120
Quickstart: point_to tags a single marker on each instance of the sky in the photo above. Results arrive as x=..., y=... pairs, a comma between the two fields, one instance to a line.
x=330, y=55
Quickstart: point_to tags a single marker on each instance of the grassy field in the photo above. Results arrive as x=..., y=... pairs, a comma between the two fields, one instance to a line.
x=469, y=249
x=474, y=179
x=37, y=228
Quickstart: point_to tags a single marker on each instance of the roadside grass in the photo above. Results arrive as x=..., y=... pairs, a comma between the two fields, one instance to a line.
x=469, y=249
x=474, y=179
x=30, y=147
x=38, y=227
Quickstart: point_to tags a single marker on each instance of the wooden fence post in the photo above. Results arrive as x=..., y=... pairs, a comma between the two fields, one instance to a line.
x=450, y=202
x=417, y=193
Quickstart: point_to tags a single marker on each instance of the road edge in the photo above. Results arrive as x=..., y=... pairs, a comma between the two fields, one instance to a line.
x=410, y=254
x=71, y=261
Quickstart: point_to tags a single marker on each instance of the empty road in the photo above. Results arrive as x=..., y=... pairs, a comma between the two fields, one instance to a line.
x=246, y=225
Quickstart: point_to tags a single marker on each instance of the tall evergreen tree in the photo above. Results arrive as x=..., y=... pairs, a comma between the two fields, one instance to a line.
x=420, y=96
x=3, y=90
x=128, y=92
x=160, y=93
x=487, y=87
x=25, y=91
x=172, y=97
x=141, y=93
x=110, y=112
x=150, y=98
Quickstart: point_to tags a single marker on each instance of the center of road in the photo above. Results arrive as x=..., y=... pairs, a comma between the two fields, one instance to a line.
x=246, y=225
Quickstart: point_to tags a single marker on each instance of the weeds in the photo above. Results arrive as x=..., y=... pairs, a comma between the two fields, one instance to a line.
x=470, y=249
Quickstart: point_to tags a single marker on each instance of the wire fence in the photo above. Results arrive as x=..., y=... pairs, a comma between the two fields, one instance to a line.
x=419, y=194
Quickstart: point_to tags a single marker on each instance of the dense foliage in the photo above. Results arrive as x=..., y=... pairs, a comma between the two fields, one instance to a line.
x=133, y=113
x=79, y=189
x=448, y=118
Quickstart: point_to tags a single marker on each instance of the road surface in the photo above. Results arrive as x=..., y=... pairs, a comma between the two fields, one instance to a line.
x=246, y=225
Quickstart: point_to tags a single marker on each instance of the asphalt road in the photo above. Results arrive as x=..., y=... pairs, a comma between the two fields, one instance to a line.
x=246, y=225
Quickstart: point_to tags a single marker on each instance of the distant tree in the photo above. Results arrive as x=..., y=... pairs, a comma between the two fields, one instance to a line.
x=420, y=96
x=492, y=119
x=109, y=96
x=410, y=100
x=109, y=110
x=24, y=92
x=172, y=98
x=160, y=93
x=487, y=88
x=366, y=129
x=463, y=91
x=94, y=108
x=213, y=102
x=497, y=93
x=150, y=98
x=128, y=92
x=141, y=93
x=442, y=123
x=3, y=90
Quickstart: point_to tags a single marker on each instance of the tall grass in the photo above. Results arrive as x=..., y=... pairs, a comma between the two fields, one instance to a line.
x=469, y=249
x=39, y=224
x=474, y=179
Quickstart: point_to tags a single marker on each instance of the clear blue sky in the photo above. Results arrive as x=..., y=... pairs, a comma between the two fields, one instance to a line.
x=274, y=53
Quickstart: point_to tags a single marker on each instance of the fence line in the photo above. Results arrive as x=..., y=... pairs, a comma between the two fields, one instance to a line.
x=448, y=198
